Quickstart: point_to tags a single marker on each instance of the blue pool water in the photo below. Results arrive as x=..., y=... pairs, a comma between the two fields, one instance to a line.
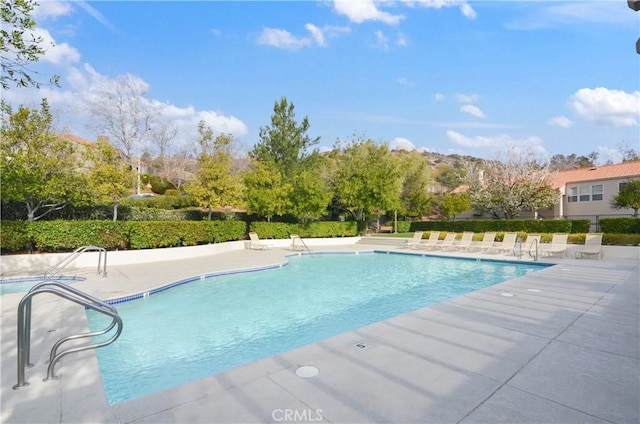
x=22, y=285
x=211, y=325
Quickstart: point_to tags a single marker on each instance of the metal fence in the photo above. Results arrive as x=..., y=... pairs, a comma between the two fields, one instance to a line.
x=595, y=219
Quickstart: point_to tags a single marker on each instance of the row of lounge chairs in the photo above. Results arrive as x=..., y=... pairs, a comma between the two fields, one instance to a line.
x=558, y=245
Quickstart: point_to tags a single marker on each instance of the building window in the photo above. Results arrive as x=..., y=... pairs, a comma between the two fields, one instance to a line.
x=597, y=192
x=573, y=194
x=584, y=193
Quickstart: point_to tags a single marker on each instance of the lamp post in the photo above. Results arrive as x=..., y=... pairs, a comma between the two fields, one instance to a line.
x=139, y=160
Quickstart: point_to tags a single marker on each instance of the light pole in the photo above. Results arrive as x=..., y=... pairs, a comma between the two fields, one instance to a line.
x=139, y=160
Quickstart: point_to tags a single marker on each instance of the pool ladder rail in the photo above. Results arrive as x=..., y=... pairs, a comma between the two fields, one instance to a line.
x=74, y=295
x=296, y=238
x=56, y=269
x=533, y=249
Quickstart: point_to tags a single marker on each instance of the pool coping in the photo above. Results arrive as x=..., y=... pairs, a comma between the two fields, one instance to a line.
x=232, y=396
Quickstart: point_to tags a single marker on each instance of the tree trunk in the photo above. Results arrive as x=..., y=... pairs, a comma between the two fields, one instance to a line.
x=115, y=211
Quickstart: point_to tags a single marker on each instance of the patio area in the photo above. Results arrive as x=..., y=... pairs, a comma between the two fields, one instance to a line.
x=562, y=346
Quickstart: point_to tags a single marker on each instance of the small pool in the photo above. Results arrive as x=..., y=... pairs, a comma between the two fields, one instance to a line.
x=23, y=284
x=211, y=325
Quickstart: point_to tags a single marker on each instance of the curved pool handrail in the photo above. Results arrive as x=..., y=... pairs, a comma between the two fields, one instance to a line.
x=74, y=295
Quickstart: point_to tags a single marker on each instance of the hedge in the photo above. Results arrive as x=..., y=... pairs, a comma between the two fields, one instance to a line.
x=57, y=236
x=620, y=225
x=280, y=230
x=526, y=226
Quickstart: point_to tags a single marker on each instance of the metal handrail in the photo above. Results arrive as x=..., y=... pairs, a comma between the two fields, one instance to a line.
x=517, y=248
x=67, y=292
x=303, y=243
x=535, y=254
x=54, y=270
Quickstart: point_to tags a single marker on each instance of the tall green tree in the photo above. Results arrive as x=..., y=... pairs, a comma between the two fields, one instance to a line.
x=415, y=200
x=505, y=189
x=215, y=184
x=286, y=177
x=38, y=167
x=108, y=174
x=364, y=177
x=628, y=197
x=19, y=44
x=453, y=204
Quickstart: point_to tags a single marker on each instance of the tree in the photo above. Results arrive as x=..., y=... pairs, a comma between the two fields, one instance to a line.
x=19, y=45
x=108, y=175
x=286, y=175
x=38, y=167
x=450, y=177
x=122, y=113
x=364, y=178
x=562, y=163
x=453, y=204
x=628, y=197
x=414, y=198
x=215, y=185
x=506, y=189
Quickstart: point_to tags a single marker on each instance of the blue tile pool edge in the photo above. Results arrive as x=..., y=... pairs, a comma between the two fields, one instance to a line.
x=147, y=293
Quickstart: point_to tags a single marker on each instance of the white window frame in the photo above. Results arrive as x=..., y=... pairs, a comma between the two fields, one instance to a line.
x=597, y=195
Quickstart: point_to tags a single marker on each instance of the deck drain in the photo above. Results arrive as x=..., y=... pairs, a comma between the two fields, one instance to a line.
x=361, y=346
x=507, y=294
x=534, y=290
x=307, y=371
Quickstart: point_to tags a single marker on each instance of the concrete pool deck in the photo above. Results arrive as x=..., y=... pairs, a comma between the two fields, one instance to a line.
x=561, y=345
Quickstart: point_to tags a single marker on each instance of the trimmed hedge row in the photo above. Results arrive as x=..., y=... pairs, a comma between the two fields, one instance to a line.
x=526, y=226
x=281, y=230
x=56, y=236
x=620, y=225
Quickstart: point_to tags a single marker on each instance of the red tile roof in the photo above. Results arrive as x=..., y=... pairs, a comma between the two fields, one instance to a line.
x=76, y=139
x=606, y=172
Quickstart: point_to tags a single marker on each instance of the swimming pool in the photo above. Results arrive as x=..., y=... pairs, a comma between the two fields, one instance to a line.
x=23, y=284
x=211, y=325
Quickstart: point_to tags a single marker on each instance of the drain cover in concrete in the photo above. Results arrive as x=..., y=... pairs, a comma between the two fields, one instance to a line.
x=307, y=371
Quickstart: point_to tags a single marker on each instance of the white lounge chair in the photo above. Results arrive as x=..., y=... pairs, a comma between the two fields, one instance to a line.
x=465, y=241
x=558, y=245
x=416, y=241
x=446, y=243
x=487, y=242
x=255, y=243
x=592, y=246
x=506, y=245
x=433, y=239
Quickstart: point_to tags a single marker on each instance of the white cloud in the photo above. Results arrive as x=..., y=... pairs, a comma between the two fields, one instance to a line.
x=404, y=81
x=400, y=143
x=382, y=42
x=560, y=121
x=567, y=13
x=51, y=9
x=439, y=97
x=498, y=141
x=472, y=110
x=97, y=16
x=359, y=11
x=607, y=154
x=465, y=8
x=401, y=40
x=56, y=53
x=602, y=106
x=316, y=34
x=283, y=39
x=466, y=98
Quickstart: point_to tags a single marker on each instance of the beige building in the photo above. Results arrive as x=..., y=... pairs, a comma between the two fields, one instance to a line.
x=590, y=191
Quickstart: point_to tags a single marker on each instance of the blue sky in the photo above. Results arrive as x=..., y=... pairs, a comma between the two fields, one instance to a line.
x=447, y=76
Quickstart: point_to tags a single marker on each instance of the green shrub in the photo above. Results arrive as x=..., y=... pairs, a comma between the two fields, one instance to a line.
x=481, y=226
x=172, y=192
x=14, y=236
x=620, y=225
x=280, y=230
